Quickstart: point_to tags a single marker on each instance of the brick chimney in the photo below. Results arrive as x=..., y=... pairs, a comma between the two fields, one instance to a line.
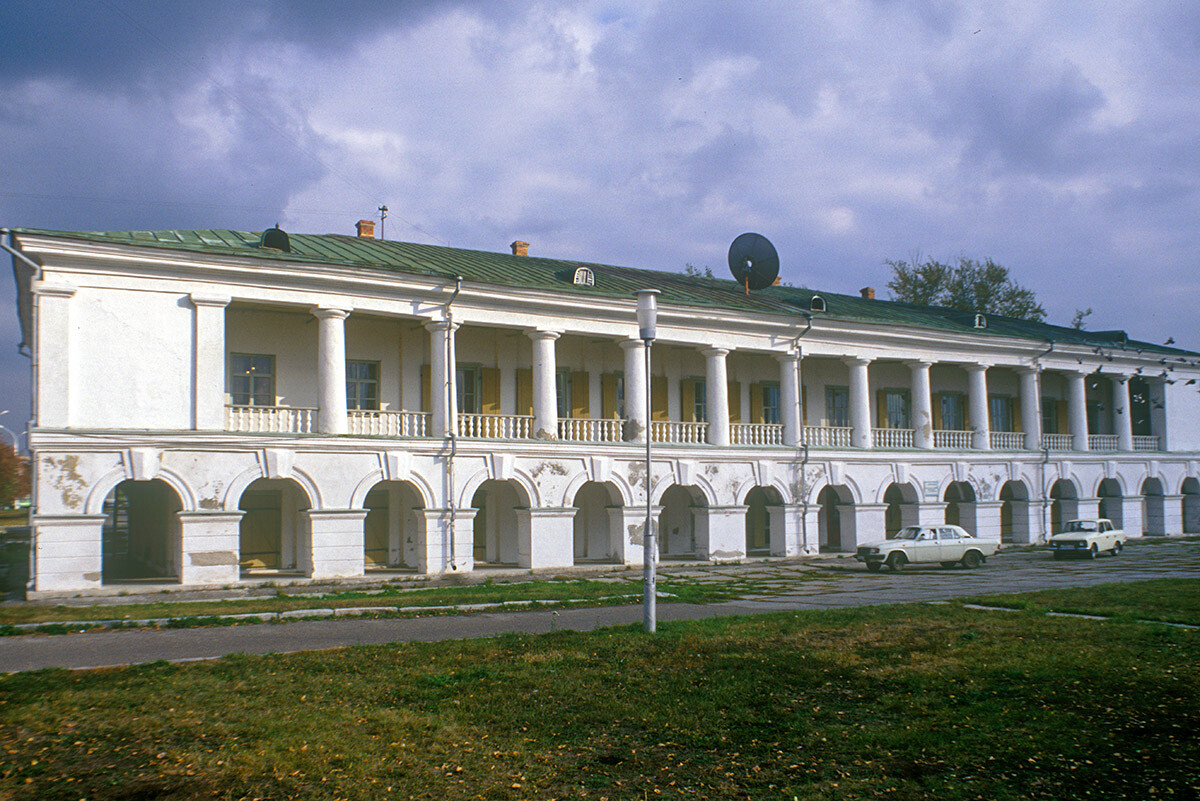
x=868, y=292
x=366, y=229
x=520, y=248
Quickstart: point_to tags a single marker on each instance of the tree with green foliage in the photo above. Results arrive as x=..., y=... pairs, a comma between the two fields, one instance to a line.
x=982, y=287
x=14, y=476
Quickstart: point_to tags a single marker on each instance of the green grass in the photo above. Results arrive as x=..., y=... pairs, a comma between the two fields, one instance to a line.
x=13, y=517
x=1170, y=599
x=902, y=702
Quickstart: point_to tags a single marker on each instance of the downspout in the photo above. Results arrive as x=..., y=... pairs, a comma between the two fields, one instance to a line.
x=453, y=423
x=803, y=439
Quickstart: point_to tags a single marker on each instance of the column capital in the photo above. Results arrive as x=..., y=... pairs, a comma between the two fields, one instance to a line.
x=209, y=299
x=977, y=367
x=537, y=334
x=631, y=344
x=857, y=361
x=714, y=351
x=788, y=356
x=919, y=364
x=434, y=326
x=330, y=313
x=1028, y=369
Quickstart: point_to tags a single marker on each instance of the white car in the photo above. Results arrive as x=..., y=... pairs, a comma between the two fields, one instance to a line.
x=946, y=545
x=1087, y=538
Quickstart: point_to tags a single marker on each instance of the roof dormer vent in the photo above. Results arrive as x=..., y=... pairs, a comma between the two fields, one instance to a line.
x=816, y=303
x=980, y=321
x=584, y=277
x=275, y=239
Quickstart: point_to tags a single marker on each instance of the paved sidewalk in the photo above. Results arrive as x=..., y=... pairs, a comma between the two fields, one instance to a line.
x=844, y=584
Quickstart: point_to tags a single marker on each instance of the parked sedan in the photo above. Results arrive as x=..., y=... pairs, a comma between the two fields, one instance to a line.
x=946, y=545
x=1087, y=538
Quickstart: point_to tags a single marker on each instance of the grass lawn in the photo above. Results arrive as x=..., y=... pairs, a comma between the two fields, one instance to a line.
x=902, y=702
x=1172, y=600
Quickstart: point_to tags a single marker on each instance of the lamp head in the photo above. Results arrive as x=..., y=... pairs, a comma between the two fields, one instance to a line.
x=647, y=313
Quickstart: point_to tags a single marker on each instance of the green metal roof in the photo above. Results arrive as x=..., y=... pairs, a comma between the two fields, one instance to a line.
x=532, y=272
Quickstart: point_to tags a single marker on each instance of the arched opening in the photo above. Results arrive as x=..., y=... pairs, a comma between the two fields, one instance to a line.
x=835, y=517
x=1154, y=523
x=393, y=529
x=901, y=510
x=680, y=529
x=1014, y=512
x=1064, y=504
x=960, y=505
x=274, y=532
x=598, y=521
x=764, y=520
x=1110, y=502
x=1191, y=505
x=497, y=524
x=141, y=532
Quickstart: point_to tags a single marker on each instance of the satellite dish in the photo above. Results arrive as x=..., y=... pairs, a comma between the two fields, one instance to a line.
x=753, y=261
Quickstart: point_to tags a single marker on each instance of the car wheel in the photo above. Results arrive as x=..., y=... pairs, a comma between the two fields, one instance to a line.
x=896, y=561
x=1116, y=549
x=874, y=566
x=971, y=559
x=949, y=564
x=1094, y=552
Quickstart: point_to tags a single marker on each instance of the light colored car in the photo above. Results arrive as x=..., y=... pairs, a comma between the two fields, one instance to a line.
x=1087, y=538
x=945, y=545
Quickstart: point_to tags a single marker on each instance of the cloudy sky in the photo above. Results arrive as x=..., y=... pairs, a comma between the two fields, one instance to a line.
x=1058, y=138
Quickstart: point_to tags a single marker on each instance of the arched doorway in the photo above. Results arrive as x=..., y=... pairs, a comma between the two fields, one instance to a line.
x=598, y=522
x=679, y=527
x=1154, y=522
x=901, y=511
x=1014, y=512
x=1110, y=494
x=497, y=524
x=393, y=530
x=835, y=517
x=1064, y=504
x=1191, y=505
x=141, y=532
x=960, y=505
x=764, y=509
x=274, y=533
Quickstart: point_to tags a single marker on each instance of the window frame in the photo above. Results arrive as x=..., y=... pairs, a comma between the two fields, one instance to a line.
x=958, y=402
x=251, y=394
x=354, y=401
x=1005, y=404
x=904, y=395
x=772, y=413
x=833, y=391
x=467, y=377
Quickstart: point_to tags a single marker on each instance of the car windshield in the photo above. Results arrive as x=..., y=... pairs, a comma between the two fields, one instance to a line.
x=1080, y=525
x=908, y=533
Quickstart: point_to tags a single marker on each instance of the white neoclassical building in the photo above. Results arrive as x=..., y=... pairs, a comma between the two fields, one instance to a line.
x=219, y=406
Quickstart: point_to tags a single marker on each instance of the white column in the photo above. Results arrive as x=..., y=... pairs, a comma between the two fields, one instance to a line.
x=922, y=405
x=331, y=370
x=1122, y=420
x=716, y=395
x=635, y=390
x=53, y=371
x=1031, y=407
x=545, y=397
x=789, y=397
x=977, y=400
x=208, y=362
x=860, y=402
x=441, y=367
x=1077, y=410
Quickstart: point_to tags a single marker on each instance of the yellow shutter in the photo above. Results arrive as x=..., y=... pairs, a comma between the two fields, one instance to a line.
x=1061, y=408
x=687, y=400
x=489, y=377
x=524, y=391
x=580, y=395
x=756, y=412
x=880, y=408
x=735, y=402
x=426, y=389
x=937, y=411
x=1018, y=424
x=608, y=396
x=658, y=398
x=803, y=405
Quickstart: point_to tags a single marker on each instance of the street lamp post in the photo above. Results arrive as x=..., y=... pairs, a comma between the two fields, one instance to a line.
x=16, y=442
x=647, y=316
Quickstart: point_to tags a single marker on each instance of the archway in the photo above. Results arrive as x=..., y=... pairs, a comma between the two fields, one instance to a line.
x=764, y=509
x=274, y=534
x=393, y=529
x=680, y=529
x=497, y=524
x=1109, y=493
x=1014, y=512
x=835, y=517
x=598, y=522
x=141, y=537
x=1191, y=505
x=1064, y=503
x=1154, y=523
x=960, y=505
x=901, y=511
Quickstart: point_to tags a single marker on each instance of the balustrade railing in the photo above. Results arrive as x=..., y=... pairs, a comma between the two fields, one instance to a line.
x=892, y=437
x=1007, y=440
x=578, y=429
x=828, y=436
x=1058, y=442
x=952, y=440
x=678, y=433
x=756, y=434
x=495, y=426
x=1145, y=443
x=386, y=423
x=270, y=419
x=1102, y=442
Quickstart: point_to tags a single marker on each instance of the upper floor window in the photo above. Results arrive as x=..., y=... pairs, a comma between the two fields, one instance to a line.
x=700, y=399
x=837, y=406
x=252, y=379
x=562, y=387
x=466, y=384
x=620, y=383
x=896, y=412
x=951, y=409
x=770, y=402
x=362, y=385
x=1000, y=410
